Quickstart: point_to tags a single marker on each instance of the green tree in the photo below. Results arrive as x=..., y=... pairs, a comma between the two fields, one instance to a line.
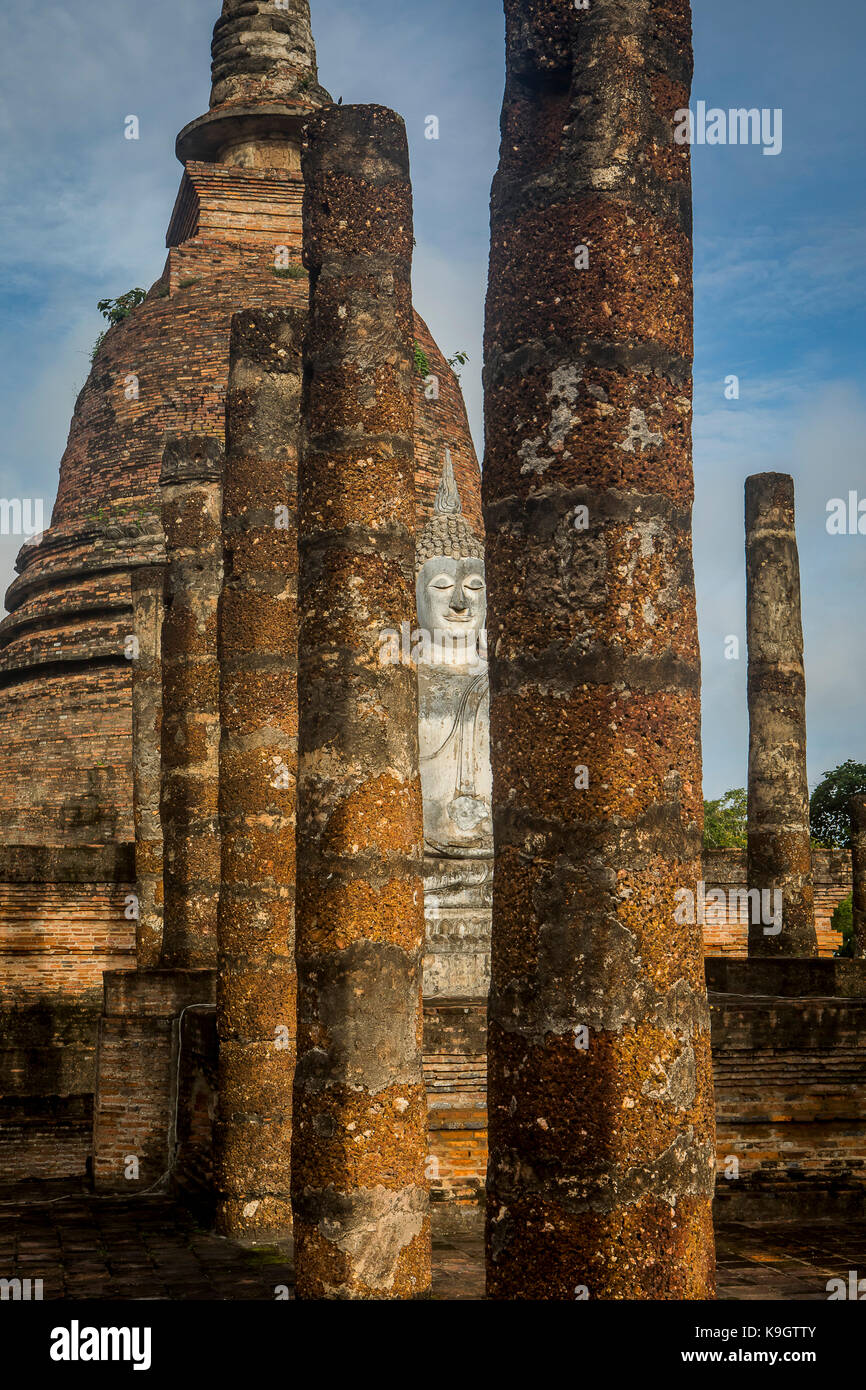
x=843, y=921
x=828, y=807
x=116, y=310
x=725, y=820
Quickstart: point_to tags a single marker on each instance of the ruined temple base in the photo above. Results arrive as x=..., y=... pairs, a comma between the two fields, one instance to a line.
x=135, y=1105
x=789, y=1062
x=455, y=1072
x=789, y=1066
x=62, y=924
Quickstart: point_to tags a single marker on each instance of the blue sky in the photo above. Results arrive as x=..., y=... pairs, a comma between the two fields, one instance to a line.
x=780, y=262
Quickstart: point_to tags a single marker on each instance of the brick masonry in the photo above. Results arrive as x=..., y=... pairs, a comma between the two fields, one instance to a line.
x=66, y=792
x=790, y=1086
x=62, y=923
x=135, y=1105
x=724, y=935
x=790, y=1092
x=65, y=679
x=65, y=684
x=57, y=938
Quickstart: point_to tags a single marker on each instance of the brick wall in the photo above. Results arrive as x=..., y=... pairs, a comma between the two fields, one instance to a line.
x=135, y=1105
x=790, y=1085
x=62, y=923
x=45, y=1138
x=726, y=869
x=455, y=1072
x=56, y=939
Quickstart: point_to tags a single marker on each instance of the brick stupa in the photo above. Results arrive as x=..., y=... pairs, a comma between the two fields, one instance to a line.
x=66, y=864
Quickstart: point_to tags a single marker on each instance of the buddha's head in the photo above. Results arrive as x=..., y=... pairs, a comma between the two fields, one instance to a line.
x=450, y=588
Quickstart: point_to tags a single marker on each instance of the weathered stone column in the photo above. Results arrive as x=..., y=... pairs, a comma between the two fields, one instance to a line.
x=256, y=980
x=191, y=485
x=600, y=1091
x=857, y=806
x=360, y=1122
x=779, y=849
x=148, y=585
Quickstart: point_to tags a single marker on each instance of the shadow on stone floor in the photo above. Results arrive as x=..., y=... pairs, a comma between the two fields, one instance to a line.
x=88, y=1247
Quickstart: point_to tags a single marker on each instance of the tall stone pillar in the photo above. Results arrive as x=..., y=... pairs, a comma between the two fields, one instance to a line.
x=148, y=585
x=857, y=806
x=256, y=980
x=135, y=1102
x=600, y=1091
x=360, y=1119
x=191, y=484
x=779, y=847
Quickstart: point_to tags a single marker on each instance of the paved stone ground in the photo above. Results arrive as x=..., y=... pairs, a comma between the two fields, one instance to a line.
x=86, y=1247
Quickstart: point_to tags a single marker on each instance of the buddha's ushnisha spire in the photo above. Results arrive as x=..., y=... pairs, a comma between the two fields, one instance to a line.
x=447, y=532
x=263, y=51
x=448, y=497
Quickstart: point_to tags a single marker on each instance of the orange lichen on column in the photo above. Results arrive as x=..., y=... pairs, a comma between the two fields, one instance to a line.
x=191, y=484
x=148, y=585
x=601, y=1162
x=360, y=1116
x=779, y=853
x=257, y=640
x=857, y=806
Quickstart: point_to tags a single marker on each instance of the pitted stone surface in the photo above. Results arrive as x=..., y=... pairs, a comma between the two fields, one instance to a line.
x=257, y=645
x=779, y=844
x=65, y=677
x=359, y=1135
x=600, y=1092
x=858, y=864
x=148, y=603
x=191, y=484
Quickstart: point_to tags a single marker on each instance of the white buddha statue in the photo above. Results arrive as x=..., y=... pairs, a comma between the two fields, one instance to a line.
x=454, y=737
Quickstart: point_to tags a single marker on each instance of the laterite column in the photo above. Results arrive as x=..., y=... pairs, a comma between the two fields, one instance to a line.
x=256, y=980
x=147, y=584
x=857, y=807
x=359, y=1140
x=600, y=1089
x=135, y=1101
x=191, y=484
x=779, y=847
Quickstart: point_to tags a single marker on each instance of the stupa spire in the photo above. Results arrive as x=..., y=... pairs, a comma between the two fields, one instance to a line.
x=264, y=84
x=264, y=52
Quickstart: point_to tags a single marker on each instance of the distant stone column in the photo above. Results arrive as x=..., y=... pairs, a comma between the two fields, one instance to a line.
x=148, y=585
x=600, y=1089
x=857, y=806
x=360, y=1122
x=779, y=847
x=191, y=484
x=256, y=979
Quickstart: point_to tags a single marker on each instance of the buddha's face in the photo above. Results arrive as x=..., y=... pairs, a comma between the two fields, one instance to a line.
x=452, y=596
